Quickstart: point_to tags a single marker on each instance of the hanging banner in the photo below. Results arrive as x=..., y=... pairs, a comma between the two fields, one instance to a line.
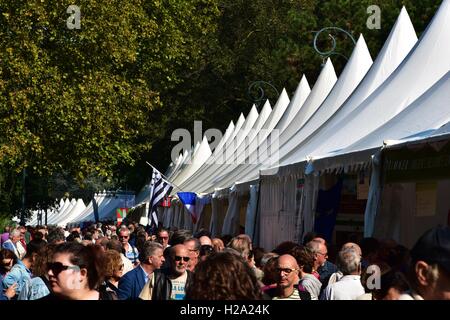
x=121, y=214
x=166, y=202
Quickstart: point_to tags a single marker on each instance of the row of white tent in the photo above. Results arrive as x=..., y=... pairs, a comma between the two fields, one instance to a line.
x=75, y=212
x=339, y=123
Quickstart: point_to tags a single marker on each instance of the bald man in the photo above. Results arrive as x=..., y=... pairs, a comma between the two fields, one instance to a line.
x=287, y=280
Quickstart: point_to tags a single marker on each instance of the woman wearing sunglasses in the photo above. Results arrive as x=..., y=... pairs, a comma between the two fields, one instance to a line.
x=76, y=272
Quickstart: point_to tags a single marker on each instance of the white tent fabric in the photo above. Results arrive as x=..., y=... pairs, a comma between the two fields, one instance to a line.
x=399, y=43
x=76, y=210
x=261, y=140
x=355, y=70
x=98, y=198
x=250, y=216
x=200, y=156
x=238, y=153
x=56, y=214
x=320, y=91
x=233, y=147
x=300, y=95
x=425, y=65
x=217, y=155
x=64, y=212
x=433, y=110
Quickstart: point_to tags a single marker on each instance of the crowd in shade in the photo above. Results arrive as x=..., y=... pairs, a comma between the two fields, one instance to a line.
x=127, y=262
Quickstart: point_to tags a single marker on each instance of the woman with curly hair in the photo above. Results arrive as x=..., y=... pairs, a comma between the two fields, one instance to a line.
x=113, y=272
x=224, y=276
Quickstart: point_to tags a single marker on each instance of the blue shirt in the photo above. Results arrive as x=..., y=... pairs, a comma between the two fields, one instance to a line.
x=326, y=271
x=20, y=274
x=34, y=289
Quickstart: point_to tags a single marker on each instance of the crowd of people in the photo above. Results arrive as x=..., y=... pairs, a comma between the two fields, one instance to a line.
x=127, y=262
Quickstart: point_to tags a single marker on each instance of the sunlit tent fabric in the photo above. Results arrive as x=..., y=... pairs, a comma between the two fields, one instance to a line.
x=433, y=110
x=218, y=148
x=278, y=192
x=321, y=89
x=64, y=212
x=76, y=210
x=98, y=198
x=301, y=94
x=230, y=148
x=217, y=156
x=235, y=153
x=198, y=159
x=426, y=63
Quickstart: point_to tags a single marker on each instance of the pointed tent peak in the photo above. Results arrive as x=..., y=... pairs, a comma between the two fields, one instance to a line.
x=304, y=84
x=302, y=91
x=240, y=120
x=267, y=108
x=197, y=145
x=326, y=73
x=205, y=139
x=404, y=21
x=360, y=56
x=361, y=44
x=253, y=112
x=267, y=105
x=283, y=97
x=74, y=201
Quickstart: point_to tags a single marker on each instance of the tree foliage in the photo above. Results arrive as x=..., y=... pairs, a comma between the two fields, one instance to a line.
x=97, y=102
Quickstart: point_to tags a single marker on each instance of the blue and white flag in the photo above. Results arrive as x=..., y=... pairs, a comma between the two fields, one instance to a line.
x=158, y=189
x=189, y=199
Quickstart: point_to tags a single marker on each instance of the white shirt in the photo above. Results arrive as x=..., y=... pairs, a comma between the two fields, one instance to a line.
x=347, y=288
x=127, y=264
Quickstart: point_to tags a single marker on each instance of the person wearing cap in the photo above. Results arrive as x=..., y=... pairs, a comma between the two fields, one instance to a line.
x=429, y=273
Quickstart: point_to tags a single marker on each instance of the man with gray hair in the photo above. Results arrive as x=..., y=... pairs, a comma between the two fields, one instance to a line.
x=13, y=243
x=321, y=264
x=349, y=287
x=138, y=283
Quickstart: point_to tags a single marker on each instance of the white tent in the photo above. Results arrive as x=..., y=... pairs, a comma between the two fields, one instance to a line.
x=397, y=46
x=76, y=210
x=425, y=65
x=217, y=156
x=320, y=91
x=199, y=157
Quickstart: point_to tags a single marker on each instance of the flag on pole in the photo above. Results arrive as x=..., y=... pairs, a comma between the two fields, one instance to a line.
x=189, y=199
x=158, y=189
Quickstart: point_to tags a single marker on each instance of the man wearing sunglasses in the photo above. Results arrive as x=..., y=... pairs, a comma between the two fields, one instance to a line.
x=131, y=252
x=171, y=284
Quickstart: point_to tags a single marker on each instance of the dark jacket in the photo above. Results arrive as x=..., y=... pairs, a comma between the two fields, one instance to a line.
x=131, y=284
x=162, y=289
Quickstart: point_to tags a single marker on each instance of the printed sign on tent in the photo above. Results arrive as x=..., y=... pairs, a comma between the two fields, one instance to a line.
x=121, y=214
